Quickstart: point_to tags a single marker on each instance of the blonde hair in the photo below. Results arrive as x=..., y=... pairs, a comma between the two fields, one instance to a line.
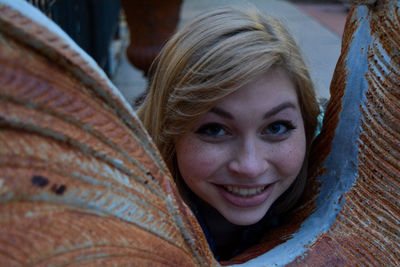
x=210, y=58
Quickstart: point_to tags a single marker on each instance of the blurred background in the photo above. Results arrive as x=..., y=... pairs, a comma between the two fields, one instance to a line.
x=124, y=36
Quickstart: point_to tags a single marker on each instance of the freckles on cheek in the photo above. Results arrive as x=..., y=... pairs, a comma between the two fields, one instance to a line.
x=291, y=159
x=195, y=160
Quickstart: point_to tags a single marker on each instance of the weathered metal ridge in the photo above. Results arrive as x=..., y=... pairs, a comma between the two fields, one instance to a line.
x=80, y=178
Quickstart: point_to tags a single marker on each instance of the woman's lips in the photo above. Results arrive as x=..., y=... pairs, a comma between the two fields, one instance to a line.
x=245, y=196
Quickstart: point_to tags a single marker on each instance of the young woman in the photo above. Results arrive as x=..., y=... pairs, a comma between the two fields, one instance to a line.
x=233, y=111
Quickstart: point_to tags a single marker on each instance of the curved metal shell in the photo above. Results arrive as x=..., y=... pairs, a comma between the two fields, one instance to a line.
x=80, y=180
x=366, y=231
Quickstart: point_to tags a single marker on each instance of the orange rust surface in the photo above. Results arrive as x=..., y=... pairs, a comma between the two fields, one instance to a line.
x=366, y=231
x=55, y=234
x=80, y=180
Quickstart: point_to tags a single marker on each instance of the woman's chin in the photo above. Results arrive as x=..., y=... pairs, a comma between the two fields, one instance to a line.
x=244, y=218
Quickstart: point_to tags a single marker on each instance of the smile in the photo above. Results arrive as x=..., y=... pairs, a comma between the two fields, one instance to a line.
x=246, y=196
x=244, y=192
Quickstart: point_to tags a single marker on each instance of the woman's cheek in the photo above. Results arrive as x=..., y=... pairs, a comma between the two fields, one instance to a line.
x=293, y=156
x=198, y=159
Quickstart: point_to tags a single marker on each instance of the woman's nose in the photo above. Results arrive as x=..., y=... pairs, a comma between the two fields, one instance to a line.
x=249, y=162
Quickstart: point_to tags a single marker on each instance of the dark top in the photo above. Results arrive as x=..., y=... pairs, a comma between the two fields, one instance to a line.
x=246, y=237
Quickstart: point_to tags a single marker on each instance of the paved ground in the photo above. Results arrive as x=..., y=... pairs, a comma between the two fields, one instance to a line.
x=316, y=28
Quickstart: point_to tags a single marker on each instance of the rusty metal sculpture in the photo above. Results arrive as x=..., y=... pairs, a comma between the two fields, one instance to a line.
x=81, y=182
x=364, y=154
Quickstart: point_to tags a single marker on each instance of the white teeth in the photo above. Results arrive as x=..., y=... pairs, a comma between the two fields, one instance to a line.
x=244, y=192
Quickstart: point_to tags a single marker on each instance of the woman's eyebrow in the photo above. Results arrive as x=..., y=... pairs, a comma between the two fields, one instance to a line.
x=270, y=113
x=279, y=108
x=222, y=113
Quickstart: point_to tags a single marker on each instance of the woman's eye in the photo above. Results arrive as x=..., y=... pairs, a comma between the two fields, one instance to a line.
x=212, y=130
x=279, y=128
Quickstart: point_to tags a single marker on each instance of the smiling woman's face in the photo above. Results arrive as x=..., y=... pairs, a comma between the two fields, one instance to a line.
x=247, y=150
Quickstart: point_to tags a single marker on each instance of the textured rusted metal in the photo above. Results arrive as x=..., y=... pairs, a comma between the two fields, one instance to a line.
x=80, y=180
x=367, y=228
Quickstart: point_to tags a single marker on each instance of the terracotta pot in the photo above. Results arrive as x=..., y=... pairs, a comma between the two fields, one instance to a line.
x=150, y=23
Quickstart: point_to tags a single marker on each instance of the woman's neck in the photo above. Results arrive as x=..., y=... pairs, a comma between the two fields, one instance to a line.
x=226, y=236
